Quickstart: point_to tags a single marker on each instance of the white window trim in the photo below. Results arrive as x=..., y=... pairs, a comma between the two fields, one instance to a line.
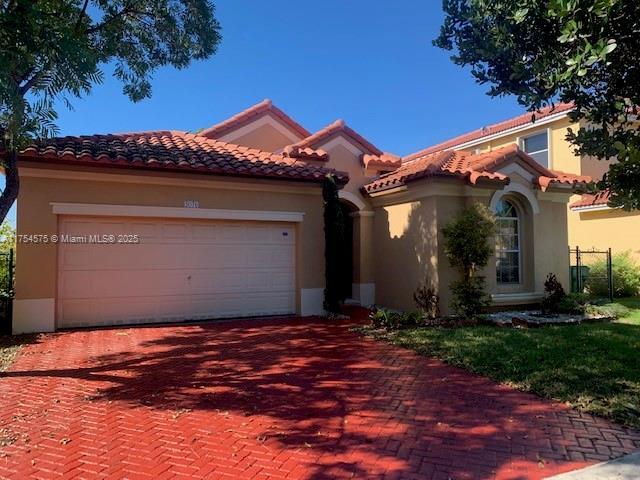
x=522, y=138
x=517, y=188
x=518, y=251
x=174, y=212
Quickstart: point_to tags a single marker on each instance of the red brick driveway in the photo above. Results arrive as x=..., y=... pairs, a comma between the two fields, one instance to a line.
x=286, y=398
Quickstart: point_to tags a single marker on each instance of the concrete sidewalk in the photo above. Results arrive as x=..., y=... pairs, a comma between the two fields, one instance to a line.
x=623, y=468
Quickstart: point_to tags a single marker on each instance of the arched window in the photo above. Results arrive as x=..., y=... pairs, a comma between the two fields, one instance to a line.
x=507, y=243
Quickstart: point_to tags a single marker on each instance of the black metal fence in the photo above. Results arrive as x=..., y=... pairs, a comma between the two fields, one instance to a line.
x=6, y=291
x=591, y=272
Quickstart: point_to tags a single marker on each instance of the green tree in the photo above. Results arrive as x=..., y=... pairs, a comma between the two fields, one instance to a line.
x=334, y=243
x=581, y=51
x=467, y=247
x=55, y=50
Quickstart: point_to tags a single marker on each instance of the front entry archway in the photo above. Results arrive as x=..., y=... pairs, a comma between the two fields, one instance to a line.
x=346, y=252
x=357, y=276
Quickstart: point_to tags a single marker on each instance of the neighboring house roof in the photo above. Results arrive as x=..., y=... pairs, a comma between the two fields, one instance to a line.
x=175, y=151
x=500, y=127
x=471, y=168
x=247, y=116
x=592, y=200
x=333, y=130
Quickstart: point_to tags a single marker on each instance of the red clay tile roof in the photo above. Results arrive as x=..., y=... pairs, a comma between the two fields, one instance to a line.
x=598, y=199
x=471, y=168
x=175, y=151
x=519, y=121
x=246, y=116
x=305, y=153
x=386, y=161
x=335, y=129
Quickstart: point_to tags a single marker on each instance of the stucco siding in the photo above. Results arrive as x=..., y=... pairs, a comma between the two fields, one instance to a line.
x=551, y=243
x=405, y=251
x=264, y=137
x=615, y=229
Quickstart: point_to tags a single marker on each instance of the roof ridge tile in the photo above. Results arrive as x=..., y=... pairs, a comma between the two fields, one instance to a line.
x=245, y=116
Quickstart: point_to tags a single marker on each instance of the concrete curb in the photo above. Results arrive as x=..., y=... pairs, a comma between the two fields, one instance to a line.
x=623, y=468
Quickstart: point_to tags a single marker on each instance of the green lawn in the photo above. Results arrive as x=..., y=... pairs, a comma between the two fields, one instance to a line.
x=594, y=367
x=633, y=304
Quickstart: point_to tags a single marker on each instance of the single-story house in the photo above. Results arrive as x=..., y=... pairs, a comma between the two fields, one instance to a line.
x=227, y=222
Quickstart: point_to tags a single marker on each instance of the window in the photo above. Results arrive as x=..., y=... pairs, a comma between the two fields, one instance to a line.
x=507, y=243
x=538, y=147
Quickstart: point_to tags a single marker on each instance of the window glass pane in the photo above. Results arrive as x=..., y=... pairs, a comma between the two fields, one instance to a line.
x=507, y=243
x=507, y=227
x=542, y=158
x=535, y=143
x=505, y=209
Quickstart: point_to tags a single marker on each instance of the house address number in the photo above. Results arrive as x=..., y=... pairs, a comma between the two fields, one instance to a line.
x=191, y=204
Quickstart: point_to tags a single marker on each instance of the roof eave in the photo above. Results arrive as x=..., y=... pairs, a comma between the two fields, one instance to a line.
x=341, y=177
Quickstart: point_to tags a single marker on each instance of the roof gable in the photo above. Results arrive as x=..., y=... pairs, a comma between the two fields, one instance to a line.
x=266, y=108
x=338, y=129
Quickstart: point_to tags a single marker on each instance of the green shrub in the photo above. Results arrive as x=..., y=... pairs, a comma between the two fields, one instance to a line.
x=467, y=246
x=574, y=303
x=626, y=277
x=553, y=294
x=427, y=301
x=469, y=297
x=393, y=319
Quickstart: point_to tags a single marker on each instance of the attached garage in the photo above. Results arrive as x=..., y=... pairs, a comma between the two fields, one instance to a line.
x=136, y=270
x=165, y=227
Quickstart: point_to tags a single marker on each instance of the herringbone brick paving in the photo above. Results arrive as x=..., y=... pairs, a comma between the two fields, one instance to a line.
x=279, y=398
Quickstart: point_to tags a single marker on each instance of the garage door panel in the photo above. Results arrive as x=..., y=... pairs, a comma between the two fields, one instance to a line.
x=181, y=270
x=115, y=311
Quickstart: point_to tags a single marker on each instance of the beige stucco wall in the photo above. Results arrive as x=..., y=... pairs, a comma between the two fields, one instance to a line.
x=551, y=242
x=405, y=251
x=615, y=229
x=265, y=137
x=36, y=265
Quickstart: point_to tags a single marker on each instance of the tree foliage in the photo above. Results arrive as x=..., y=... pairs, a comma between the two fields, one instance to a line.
x=56, y=49
x=581, y=51
x=467, y=247
x=334, y=243
x=7, y=237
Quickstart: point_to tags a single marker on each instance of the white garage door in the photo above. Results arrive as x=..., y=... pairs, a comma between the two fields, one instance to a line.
x=180, y=270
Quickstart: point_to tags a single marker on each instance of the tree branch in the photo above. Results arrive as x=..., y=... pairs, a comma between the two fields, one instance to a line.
x=12, y=179
x=82, y=12
x=30, y=83
x=127, y=10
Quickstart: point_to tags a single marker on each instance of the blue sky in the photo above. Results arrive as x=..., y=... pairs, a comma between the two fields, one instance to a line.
x=370, y=63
